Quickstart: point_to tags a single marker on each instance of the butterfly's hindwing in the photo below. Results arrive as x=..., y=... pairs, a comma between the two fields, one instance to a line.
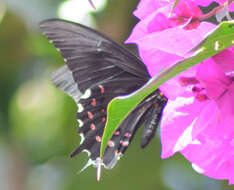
x=152, y=118
x=97, y=70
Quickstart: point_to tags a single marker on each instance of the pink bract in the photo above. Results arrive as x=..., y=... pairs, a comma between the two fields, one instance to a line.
x=202, y=129
x=198, y=120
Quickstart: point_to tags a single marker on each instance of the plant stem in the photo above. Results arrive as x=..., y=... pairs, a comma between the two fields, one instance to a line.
x=216, y=9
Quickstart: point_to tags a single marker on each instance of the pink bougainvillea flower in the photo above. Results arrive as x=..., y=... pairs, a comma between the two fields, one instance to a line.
x=198, y=120
x=166, y=34
x=146, y=7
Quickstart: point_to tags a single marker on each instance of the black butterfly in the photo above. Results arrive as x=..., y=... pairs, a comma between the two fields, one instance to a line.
x=97, y=70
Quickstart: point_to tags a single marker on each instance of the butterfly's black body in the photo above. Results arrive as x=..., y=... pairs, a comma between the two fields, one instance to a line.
x=97, y=70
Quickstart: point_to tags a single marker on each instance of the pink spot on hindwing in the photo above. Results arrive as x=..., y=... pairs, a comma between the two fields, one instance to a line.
x=92, y=127
x=93, y=103
x=90, y=115
x=102, y=89
x=127, y=135
x=98, y=138
x=124, y=143
x=103, y=119
x=111, y=144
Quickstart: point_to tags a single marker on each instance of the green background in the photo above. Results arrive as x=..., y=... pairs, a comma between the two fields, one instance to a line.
x=38, y=129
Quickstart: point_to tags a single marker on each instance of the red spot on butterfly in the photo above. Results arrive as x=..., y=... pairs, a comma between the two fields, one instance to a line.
x=92, y=127
x=125, y=143
x=93, y=103
x=103, y=119
x=127, y=135
x=116, y=133
x=156, y=105
x=102, y=89
x=102, y=110
x=90, y=115
x=98, y=139
x=111, y=144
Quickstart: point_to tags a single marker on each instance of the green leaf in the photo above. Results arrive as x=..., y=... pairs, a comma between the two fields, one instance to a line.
x=120, y=107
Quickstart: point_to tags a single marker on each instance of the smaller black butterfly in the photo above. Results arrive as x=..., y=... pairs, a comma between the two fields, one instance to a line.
x=97, y=70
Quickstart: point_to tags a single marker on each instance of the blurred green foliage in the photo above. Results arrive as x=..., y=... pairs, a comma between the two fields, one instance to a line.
x=38, y=128
x=49, y=112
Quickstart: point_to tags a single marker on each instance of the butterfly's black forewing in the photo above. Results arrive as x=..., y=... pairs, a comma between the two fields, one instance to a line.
x=97, y=70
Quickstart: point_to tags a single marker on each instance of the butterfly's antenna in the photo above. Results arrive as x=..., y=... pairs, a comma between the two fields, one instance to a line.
x=99, y=168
